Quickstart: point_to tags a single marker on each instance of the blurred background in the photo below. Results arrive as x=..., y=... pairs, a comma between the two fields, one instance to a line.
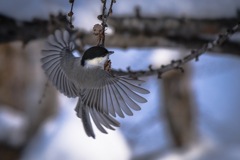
x=189, y=116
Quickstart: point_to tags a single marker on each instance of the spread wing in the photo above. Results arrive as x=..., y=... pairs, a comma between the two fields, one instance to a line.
x=114, y=95
x=106, y=95
x=58, y=47
x=109, y=95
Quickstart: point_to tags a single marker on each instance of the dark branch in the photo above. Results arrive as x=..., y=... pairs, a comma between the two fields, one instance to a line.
x=178, y=63
x=170, y=26
x=110, y=9
x=13, y=30
x=70, y=14
x=128, y=41
x=104, y=23
x=104, y=18
x=138, y=31
x=10, y=30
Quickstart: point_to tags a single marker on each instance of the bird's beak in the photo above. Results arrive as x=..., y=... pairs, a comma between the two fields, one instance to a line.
x=110, y=52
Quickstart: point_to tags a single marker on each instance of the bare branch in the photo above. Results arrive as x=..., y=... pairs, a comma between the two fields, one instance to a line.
x=110, y=9
x=178, y=63
x=104, y=23
x=167, y=26
x=104, y=19
x=10, y=30
x=70, y=14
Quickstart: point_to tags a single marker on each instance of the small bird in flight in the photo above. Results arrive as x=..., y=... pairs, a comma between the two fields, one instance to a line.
x=101, y=95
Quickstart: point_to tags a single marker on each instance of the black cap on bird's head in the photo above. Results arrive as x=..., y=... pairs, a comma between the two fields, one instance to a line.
x=94, y=52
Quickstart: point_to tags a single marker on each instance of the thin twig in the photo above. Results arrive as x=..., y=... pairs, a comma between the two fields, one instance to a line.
x=70, y=14
x=104, y=19
x=104, y=22
x=178, y=63
x=110, y=9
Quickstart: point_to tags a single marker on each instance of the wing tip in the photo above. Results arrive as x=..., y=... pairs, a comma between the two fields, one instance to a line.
x=144, y=100
x=92, y=135
x=130, y=114
x=147, y=91
x=144, y=91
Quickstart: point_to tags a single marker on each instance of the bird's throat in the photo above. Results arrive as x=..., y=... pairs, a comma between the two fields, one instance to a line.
x=96, y=62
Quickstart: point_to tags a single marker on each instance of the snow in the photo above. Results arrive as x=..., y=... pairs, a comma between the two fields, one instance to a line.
x=63, y=137
x=215, y=84
x=13, y=125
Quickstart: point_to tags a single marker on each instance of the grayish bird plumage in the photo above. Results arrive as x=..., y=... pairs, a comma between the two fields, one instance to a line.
x=100, y=93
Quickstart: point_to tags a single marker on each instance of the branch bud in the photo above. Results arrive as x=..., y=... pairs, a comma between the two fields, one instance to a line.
x=70, y=14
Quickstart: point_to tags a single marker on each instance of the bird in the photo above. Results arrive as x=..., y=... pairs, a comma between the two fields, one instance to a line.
x=101, y=95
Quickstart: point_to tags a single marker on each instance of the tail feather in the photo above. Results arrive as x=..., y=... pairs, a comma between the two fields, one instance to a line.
x=83, y=113
x=100, y=119
x=87, y=123
x=78, y=110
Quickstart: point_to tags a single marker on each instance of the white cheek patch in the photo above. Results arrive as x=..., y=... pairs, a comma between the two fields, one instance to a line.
x=96, y=62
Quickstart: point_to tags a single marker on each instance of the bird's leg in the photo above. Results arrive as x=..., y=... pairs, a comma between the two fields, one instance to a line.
x=107, y=66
